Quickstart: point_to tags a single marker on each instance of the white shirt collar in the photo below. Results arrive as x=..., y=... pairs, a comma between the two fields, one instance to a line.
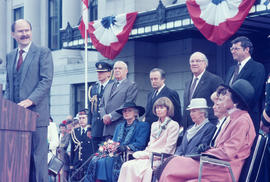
x=199, y=77
x=26, y=49
x=243, y=63
x=159, y=90
x=105, y=83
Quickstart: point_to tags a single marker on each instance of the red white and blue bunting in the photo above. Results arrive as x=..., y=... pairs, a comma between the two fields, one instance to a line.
x=110, y=34
x=84, y=21
x=218, y=20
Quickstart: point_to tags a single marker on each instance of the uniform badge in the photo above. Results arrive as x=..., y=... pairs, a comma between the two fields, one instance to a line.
x=99, y=66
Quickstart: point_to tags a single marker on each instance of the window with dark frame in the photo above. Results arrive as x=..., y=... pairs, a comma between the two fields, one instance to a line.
x=55, y=23
x=93, y=10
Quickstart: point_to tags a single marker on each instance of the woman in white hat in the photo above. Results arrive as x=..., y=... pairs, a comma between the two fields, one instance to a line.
x=232, y=144
x=201, y=132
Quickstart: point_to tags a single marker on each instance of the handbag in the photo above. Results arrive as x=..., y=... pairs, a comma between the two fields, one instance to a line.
x=55, y=165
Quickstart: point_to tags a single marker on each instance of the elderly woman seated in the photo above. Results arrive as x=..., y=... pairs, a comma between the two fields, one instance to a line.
x=129, y=135
x=232, y=143
x=163, y=137
x=201, y=132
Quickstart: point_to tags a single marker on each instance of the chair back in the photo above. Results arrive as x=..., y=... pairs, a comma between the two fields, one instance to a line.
x=253, y=163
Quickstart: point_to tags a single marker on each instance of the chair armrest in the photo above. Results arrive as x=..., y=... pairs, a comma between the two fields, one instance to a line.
x=127, y=154
x=161, y=155
x=205, y=158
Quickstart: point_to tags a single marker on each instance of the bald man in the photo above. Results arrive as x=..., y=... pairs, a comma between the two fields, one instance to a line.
x=201, y=85
x=115, y=95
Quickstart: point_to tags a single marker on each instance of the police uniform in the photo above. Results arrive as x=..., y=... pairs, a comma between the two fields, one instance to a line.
x=81, y=148
x=95, y=94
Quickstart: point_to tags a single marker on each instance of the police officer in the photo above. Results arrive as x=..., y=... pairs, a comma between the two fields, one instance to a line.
x=95, y=94
x=81, y=146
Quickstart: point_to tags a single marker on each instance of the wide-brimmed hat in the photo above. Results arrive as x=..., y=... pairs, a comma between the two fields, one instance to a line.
x=244, y=90
x=131, y=105
x=197, y=103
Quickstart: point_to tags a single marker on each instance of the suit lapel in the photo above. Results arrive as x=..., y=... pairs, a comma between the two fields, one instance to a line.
x=11, y=66
x=200, y=84
x=118, y=87
x=244, y=69
x=27, y=61
x=220, y=135
x=107, y=91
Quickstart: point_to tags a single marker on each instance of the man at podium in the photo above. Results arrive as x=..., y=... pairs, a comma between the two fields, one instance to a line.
x=29, y=79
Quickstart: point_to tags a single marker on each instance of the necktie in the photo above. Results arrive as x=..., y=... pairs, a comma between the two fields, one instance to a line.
x=83, y=131
x=101, y=91
x=20, y=60
x=192, y=88
x=236, y=72
x=155, y=94
x=114, y=86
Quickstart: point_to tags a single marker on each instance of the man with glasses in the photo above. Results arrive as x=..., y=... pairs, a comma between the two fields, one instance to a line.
x=201, y=85
x=248, y=69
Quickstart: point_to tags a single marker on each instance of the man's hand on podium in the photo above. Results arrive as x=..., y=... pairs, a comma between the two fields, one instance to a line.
x=26, y=103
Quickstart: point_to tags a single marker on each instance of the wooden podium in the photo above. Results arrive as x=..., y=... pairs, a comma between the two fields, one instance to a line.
x=16, y=127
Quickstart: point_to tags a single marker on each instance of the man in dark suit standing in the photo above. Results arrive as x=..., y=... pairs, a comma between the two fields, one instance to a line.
x=115, y=95
x=250, y=70
x=29, y=79
x=201, y=85
x=95, y=94
x=157, y=78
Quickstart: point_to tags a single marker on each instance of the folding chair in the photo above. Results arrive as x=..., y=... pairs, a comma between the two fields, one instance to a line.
x=254, y=161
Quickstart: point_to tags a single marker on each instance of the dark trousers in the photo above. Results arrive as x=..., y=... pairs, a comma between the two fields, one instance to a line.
x=39, y=156
x=95, y=142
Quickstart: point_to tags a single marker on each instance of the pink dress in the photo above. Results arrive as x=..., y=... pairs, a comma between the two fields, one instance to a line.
x=139, y=169
x=233, y=144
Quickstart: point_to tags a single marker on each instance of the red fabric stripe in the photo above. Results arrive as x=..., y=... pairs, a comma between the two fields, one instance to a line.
x=115, y=48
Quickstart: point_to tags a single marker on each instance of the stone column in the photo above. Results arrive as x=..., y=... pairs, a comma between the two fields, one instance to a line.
x=32, y=13
x=3, y=30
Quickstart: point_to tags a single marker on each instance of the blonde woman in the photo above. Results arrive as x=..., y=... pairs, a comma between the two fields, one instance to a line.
x=163, y=137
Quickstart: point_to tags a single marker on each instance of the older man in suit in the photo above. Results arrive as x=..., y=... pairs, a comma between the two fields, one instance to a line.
x=250, y=70
x=29, y=79
x=157, y=78
x=115, y=95
x=201, y=85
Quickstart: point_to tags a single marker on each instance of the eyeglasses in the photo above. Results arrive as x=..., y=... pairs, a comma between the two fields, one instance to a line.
x=196, y=61
x=235, y=48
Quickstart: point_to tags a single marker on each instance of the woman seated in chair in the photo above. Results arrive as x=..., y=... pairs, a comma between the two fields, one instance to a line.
x=130, y=135
x=163, y=137
x=200, y=133
x=232, y=143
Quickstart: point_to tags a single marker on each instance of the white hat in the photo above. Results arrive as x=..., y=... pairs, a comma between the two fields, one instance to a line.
x=197, y=103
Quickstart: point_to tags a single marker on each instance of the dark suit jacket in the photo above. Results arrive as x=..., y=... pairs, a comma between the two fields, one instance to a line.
x=203, y=136
x=253, y=72
x=206, y=86
x=86, y=150
x=165, y=92
x=110, y=102
x=36, y=80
